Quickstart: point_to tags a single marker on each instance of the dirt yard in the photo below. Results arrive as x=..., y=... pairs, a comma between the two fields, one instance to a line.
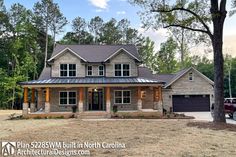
x=157, y=138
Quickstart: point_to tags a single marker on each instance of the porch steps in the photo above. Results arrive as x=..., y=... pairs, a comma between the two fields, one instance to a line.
x=94, y=115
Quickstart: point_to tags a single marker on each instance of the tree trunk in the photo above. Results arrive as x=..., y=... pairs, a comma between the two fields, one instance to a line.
x=46, y=44
x=13, y=98
x=230, y=91
x=182, y=48
x=217, y=43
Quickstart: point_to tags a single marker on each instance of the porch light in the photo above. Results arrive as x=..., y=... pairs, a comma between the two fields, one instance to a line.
x=95, y=90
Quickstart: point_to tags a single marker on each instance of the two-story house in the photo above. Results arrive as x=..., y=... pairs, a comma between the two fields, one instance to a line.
x=104, y=77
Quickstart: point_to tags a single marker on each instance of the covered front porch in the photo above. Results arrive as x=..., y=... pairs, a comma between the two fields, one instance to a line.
x=88, y=99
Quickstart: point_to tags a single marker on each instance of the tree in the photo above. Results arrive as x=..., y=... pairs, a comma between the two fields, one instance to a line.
x=204, y=65
x=200, y=15
x=146, y=51
x=95, y=26
x=166, y=61
x=21, y=52
x=132, y=36
x=48, y=16
x=110, y=33
x=57, y=23
x=79, y=25
x=123, y=27
x=228, y=67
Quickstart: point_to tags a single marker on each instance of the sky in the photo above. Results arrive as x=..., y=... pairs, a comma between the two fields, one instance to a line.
x=120, y=9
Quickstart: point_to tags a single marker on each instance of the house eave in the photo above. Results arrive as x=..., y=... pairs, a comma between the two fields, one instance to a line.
x=71, y=85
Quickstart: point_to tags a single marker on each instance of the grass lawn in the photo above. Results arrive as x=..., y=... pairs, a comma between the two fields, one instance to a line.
x=157, y=138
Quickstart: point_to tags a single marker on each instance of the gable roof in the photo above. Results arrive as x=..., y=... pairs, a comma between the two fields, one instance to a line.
x=95, y=53
x=64, y=50
x=45, y=74
x=145, y=72
x=166, y=77
x=179, y=74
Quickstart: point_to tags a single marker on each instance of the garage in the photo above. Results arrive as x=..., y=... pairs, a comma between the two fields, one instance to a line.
x=191, y=103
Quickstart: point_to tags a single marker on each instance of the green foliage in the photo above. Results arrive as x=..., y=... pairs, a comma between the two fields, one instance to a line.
x=99, y=32
x=147, y=52
x=166, y=57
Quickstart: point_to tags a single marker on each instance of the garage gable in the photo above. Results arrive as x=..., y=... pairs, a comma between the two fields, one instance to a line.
x=186, y=74
x=192, y=81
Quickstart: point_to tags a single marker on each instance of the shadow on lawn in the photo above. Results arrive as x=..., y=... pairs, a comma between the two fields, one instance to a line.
x=213, y=126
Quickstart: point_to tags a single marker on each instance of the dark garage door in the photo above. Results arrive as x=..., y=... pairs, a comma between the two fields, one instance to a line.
x=191, y=103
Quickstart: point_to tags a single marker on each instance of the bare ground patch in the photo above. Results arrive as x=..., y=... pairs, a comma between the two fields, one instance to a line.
x=213, y=126
x=142, y=137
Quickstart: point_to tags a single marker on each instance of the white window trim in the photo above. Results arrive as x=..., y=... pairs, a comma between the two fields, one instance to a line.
x=68, y=71
x=99, y=70
x=192, y=76
x=88, y=70
x=114, y=69
x=121, y=97
x=68, y=98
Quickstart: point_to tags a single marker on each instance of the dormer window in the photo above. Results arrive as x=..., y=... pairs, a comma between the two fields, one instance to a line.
x=122, y=70
x=67, y=70
x=190, y=76
x=89, y=70
x=101, y=70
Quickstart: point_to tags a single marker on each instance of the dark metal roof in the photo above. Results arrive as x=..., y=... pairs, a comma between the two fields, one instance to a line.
x=93, y=80
x=96, y=53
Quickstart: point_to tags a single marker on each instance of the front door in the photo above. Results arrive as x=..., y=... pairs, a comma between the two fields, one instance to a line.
x=97, y=100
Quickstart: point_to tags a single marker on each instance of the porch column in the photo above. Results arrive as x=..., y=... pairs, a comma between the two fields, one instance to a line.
x=81, y=99
x=155, y=98
x=25, y=103
x=47, y=101
x=159, y=107
x=40, y=99
x=32, y=103
x=108, y=99
x=139, y=99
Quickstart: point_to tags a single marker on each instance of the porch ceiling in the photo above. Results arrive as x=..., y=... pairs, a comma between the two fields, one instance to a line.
x=92, y=81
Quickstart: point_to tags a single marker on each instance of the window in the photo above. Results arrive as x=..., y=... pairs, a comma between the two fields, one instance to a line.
x=89, y=70
x=100, y=70
x=118, y=97
x=118, y=70
x=122, y=70
x=67, y=70
x=125, y=69
x=63, y=68
x=72, y=70
x=67, y=98
x=190, y=76
x=122, y=97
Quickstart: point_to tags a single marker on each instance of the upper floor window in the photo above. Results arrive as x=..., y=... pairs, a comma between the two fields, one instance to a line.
x=122, y=70
x=100, y=70
x=67, y=70
x=89, y=70
x=190, y=76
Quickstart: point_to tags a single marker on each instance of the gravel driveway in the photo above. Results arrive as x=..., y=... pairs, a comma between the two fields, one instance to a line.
x=206, y=116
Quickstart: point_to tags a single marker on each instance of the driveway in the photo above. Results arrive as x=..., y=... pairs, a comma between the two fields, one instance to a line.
x=206, y=116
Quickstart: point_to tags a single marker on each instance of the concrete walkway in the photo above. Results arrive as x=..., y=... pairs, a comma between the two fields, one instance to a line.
x=206, y=116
